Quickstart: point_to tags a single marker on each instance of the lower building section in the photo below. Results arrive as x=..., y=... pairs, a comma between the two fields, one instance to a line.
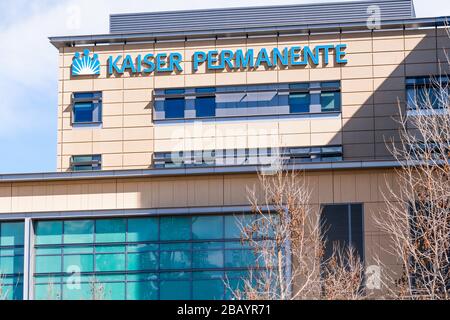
x=164, y=237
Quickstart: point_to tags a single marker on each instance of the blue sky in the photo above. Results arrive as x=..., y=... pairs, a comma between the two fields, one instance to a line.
x=28, y=66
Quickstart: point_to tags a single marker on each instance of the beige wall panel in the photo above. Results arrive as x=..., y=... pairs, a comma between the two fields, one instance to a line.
x=137, y=120
x=358, y=59
x=386, y=123
x=77, y=135
x=296, y=140
x=77, y=148
x=113, y=122
x=107, y=147
x=238, y=142
x=384, y=110
x=113, y=96
x=108, y=84
x=361, y=46
x=138, y=146
x=355, y=111
x=169, y=131
x=382, y=151
x=199, y=129
x=79, y=85
x=144, y=82
x=372, y=211
x=443, y=42
x=394, y=70
x=382, y=45
x=140, y=95
x=357, y=98
x=112, y=160
x=420, y=56
x=264, y=141
x=345, y=187
x=420, y=43
x=138, y=108
x=324, y=188
x=357, y=72
x=389, y=84
x=168, y=145
x=293, y=75
x=324, y=74
x=199, y=143
x=300, y=125
x=169, y=81
x=236, y=189
x=112, y=109
x=100, y=135
x=137, y=159
x=357, y=124
x=200, y=80
x=389, y=97
x=262, y=77
x=5, y=198
x=144, y=133
x=325, y=124
x=358, y=137
x=235, y=128
x=382, y=58
x=421, y=69
x=359, y=85
x=330, y=138
x=235, y=78
x=358, y=151
x=383, y=136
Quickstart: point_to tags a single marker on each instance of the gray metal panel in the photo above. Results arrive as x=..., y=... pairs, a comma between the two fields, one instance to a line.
x=250, y=17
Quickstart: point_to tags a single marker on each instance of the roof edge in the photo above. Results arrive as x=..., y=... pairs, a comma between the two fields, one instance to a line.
x=170, y=172
x=89, y=40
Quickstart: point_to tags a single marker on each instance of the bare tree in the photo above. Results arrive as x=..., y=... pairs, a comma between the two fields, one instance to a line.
x=288, y=243
x=417, y=215
x=52, y=293
x=97, y=290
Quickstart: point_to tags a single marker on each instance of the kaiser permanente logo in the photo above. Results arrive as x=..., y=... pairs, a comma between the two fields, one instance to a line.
x=213, y=60
x=84, y=65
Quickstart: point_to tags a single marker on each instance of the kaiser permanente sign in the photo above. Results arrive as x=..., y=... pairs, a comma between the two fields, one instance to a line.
x=219, y=60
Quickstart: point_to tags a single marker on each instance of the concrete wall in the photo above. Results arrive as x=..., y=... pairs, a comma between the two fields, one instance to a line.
x=373, y=82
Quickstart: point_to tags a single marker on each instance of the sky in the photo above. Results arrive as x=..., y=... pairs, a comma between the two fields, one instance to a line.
x=28, y=64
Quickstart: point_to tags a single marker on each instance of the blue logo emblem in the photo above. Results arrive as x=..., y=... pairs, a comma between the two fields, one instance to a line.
x=84, y=65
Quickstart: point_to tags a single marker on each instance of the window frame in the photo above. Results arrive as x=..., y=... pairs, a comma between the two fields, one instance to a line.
x=96, y=164
x=96, y=102
x=349, y=212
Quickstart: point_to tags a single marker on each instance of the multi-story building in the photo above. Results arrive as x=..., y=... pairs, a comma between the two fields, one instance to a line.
x=165, y=122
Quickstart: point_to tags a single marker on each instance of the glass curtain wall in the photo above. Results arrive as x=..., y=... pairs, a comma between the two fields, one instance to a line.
x=11, y=260
x=176, y=257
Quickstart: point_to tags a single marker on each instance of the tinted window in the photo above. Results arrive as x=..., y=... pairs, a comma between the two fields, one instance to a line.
x=330, y=101
x=205, y=107
x=299, y=102
x=342, y=225
x=174, y=108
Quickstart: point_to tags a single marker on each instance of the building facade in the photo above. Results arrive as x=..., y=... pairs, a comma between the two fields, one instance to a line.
x=165, y=122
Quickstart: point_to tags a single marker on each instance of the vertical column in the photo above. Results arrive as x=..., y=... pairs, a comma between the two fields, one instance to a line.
x=28, y=260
